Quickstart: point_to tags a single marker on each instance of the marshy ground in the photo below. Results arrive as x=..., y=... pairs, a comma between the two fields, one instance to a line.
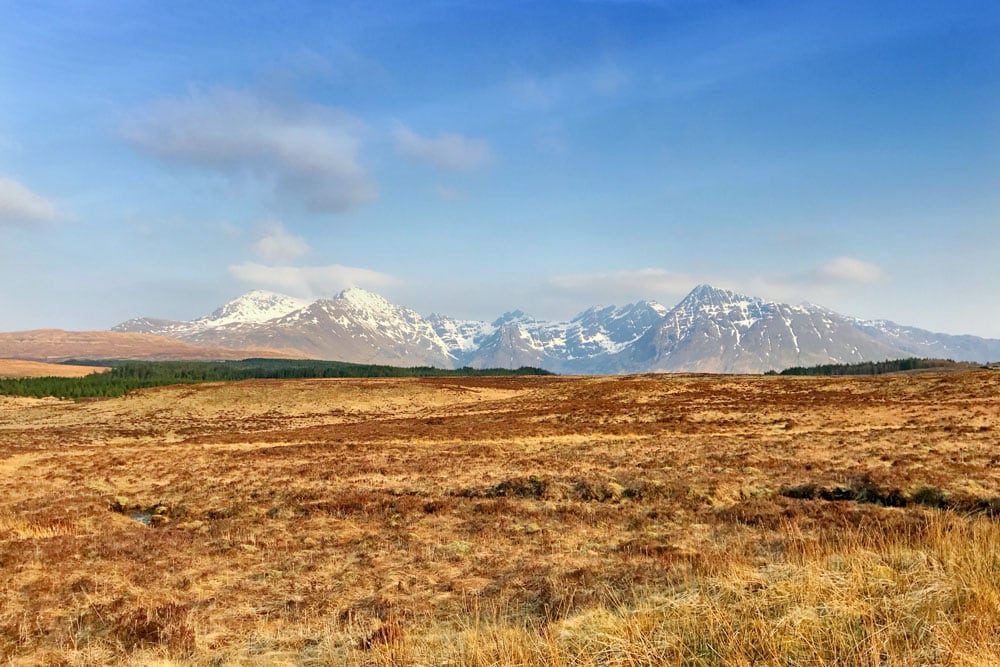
x=529, y=520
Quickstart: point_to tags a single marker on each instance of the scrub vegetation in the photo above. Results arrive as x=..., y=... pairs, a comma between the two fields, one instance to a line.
x=125, y=376
x=882, y=367
x=473, y=521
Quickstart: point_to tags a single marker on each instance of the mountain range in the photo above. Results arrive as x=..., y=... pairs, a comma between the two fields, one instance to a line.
x=710, y=330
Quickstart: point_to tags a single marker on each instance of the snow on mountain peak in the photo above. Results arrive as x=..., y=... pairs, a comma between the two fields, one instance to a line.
x=510, y=316
x=460, y=336
x=656, y=307
x=365, y=300
x=254, y=307
x=706, y=295
x=711, y=329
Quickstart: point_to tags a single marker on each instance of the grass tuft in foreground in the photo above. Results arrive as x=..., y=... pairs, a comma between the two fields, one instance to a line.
x=506, y=521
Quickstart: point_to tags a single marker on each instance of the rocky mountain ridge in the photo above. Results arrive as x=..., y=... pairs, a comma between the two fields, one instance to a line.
x=710, y=330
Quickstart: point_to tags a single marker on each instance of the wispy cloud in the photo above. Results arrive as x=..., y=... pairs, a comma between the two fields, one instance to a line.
x=307, y=152
x=849, y=269
x=624, y=285
x=21, y=206
x=311, y=281
x=827, y=282
x=571, y=87
x=274, y=242
x=448, y=194
x=445, y=151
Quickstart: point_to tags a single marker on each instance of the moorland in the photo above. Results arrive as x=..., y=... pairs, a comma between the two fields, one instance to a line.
x=639, y=520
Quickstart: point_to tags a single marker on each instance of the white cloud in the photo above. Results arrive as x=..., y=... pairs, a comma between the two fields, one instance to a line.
x=310, y=281
x=276, y=243
x=445, y=151
x=19, y=205
x=648, y=283
x=849, y=269
x=308, y=153
x=826, y=284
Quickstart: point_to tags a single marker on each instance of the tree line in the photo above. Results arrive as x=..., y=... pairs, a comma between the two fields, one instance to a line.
x=125, y=376
x=870, y=367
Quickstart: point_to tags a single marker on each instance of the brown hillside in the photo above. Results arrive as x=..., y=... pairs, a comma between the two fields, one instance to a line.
x=17, y=368
x=59, y=345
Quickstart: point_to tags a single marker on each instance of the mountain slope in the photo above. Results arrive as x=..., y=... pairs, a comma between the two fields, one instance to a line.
x=710, y=330
x=718, y=331
x=460, y=337
x=59, y=345
x=254, y=307
x=922, y=343
x=356, y=325
x=516, y=341
x=578, y=346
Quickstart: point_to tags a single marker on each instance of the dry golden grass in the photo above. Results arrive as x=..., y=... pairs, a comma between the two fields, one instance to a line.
x=506, y=521
x=17, y=368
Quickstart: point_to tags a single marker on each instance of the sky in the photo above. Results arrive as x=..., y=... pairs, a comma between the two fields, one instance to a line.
x=470, y=158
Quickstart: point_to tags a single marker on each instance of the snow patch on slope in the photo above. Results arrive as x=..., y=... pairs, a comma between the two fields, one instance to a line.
x=253, y=307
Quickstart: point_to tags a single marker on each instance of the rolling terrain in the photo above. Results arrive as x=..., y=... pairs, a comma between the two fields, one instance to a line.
x=482, y=521
x=17, y=368
x=58, y=345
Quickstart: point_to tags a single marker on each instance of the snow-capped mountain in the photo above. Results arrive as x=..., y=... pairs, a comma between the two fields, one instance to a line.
x=254, y=307
x=609, y=330
x=710, y=330
x=460, y=336
x=579, y=345
x=718, y=331
x=518, y=340
x=356, y=325
x=921, y=343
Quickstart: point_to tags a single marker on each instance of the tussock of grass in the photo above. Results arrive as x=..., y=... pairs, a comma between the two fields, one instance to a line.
x=505, y=521
x=927, y=597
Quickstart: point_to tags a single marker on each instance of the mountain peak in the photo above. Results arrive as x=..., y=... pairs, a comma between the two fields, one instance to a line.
x=261, y=294
x=704, y=290
x=707, y=295
x=365, y=300
x=510, y=316
x=254, y=307
x=710, y=330
x=641, y=309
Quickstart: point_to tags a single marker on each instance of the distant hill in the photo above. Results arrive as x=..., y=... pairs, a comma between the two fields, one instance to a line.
x=18, y=368
x=59, y=345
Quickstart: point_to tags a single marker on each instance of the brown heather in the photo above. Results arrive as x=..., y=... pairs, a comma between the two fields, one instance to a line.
x=673, y=520
x=17, y=368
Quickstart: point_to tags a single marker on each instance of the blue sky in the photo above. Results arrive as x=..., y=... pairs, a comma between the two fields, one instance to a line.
x=469, y=158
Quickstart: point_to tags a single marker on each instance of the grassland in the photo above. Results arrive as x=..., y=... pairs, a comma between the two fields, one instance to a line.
x=506, y=521
x=18, y=368
x=125, y=376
